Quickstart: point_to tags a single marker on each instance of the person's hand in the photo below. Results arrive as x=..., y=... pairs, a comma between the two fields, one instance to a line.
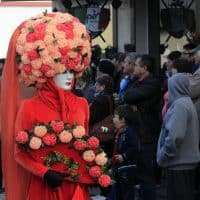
x=53, y=179
x=119, y=158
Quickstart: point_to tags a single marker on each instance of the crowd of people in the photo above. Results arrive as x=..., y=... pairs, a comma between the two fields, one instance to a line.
x=146, y=122
x=155, y=119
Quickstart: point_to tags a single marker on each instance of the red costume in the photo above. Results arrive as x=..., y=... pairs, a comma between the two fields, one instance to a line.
x=24, y=179
x=49, y=104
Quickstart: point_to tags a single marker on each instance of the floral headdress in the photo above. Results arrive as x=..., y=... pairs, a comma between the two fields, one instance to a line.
x=50, y=44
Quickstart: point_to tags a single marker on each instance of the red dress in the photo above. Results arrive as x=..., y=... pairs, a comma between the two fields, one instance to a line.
x=49, y=104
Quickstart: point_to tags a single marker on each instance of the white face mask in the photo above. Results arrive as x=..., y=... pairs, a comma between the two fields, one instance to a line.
x=64, y=81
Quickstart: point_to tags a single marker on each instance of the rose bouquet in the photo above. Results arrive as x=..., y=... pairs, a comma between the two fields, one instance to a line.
x=57, y=132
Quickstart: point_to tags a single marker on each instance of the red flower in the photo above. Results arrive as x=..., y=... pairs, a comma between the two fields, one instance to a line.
x=22, y=137
x=93, y=142
x=67, y=28
x=64, y=51
x=32, y=55
x=31, y=37
x=95, y=171
x=104, y=180
x=80, y=145
x=57, y=126
x=71, y=63
x=39, y=35
x=49, y=139
x=27, y=69
x=40, y=27
x=45, y=68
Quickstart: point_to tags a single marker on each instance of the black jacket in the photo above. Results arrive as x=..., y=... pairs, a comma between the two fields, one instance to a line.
x=146, y=95
x=101, y=107
x=127, y=144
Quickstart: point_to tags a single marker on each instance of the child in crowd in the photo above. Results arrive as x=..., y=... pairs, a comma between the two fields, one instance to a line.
x=127, y=124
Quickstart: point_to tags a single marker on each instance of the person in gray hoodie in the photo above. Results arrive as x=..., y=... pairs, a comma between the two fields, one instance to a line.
x=178, y=145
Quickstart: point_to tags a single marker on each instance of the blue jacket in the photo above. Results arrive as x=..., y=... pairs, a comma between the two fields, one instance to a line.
x=128, y=145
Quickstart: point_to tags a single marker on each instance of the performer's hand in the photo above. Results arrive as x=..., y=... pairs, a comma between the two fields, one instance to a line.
x=53, y=179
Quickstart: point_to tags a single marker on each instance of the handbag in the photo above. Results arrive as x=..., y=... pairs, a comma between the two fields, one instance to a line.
x=105, y=129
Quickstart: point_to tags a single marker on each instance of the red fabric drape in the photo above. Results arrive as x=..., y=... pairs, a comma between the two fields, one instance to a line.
x=12, y=173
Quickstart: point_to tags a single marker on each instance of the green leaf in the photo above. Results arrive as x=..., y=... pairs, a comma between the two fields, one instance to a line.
x=18, y=59
x=57, y=60
x=31, y=29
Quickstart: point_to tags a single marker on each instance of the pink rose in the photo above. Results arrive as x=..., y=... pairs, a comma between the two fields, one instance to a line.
x=95, y=171
x=79, y=132
x=57, y=126
x=40, y=131
x=104, y=180
x=80, y=145
x=93, y=142
x=101, y=159
x=35, y=143
x=89, y=156
x=40, y=27
x=45, y=68
x=49, y=139
x=67, y=28
x=27, y=69
x=30, y=37
x=32, y=55
x=64, y=51
x=65, y=136
x=22, y=137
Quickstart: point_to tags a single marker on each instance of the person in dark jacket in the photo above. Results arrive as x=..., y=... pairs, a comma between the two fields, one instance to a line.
x=178, y=146
x=105, y=67
x=103, y=104
x=145, y=93
x=124, y=161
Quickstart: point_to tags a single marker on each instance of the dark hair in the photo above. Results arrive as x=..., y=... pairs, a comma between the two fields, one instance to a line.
x=182, y=65
x=174, y=55
x=120, y=57
x=110, y=52
x=107, y=81
x=148, y=61
x=96, y=54
x=126, y=112
x=107, y=67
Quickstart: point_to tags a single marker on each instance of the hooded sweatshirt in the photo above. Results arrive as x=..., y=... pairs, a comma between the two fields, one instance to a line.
x=178, y=145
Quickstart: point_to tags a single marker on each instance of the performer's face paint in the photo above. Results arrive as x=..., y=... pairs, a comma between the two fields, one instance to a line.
x=65, y=80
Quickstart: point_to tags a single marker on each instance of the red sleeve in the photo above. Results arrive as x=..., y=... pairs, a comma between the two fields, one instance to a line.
x=87, y=116
x=25, y=121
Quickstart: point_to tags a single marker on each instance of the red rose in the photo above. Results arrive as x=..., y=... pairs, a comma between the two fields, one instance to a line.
x=67, y=28
x=22, y=137
x=32, y=55
x=95, y=171
x=104, y=180
x=57, y=126
x=64, y=51
x=93, y=142
x=40, y=27
x=30, y=37
x=27, y=69
x=49, y=139
x=80, y=145
x=39, y=35
x=44, y=68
